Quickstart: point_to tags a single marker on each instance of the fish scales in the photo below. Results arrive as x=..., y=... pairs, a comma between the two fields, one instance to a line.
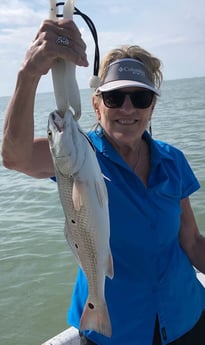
x=84, y=199
x=82, y=189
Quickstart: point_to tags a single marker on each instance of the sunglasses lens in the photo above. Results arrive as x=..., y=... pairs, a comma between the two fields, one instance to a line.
x=140, y=99
x=113, y=99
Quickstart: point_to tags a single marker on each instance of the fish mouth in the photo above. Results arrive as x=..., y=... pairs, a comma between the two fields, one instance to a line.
x=58, y=121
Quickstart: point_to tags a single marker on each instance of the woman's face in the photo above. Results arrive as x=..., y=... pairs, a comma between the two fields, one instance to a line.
x=126, y=124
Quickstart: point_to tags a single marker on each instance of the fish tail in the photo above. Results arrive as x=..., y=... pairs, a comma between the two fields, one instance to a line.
x=96, y=318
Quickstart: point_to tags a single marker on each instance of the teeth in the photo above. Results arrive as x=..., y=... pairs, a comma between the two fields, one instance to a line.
x=126, y=122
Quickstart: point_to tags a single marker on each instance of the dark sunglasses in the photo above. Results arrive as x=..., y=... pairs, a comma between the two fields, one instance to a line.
x=140, y=99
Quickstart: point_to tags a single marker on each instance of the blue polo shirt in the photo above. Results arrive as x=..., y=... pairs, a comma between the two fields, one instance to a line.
x=152, y=273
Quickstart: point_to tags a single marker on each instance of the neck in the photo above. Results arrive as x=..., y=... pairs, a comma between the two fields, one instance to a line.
x=137, y=156
x=132, y=155
x=124, y=147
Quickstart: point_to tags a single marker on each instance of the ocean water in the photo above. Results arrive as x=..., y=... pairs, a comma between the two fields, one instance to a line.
x=37, y=270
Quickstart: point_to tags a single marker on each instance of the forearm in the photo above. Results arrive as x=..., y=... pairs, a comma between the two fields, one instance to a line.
x=197, y=253
x=18, y=132
x=190, y=238
x=19, y=149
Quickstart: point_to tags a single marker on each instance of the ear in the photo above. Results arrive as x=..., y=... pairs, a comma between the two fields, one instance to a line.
x=153, y=103
x=96, y=107
x=152, y=107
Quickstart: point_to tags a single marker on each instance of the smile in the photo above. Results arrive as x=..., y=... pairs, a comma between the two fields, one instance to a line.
x=126, y=122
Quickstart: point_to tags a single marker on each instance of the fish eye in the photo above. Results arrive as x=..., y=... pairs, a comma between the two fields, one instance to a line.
x=49, y=133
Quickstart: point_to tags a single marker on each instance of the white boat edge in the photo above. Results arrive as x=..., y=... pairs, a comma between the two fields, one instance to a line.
x=71, y=335
x=68, y=337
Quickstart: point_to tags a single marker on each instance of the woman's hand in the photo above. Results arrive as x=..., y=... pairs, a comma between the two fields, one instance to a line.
x=44, y=49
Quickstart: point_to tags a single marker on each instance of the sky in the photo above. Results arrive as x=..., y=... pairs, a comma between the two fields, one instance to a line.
x=174, y=31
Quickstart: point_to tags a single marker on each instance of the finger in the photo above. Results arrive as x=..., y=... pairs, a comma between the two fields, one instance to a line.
x=63, y=27
x=75, y=51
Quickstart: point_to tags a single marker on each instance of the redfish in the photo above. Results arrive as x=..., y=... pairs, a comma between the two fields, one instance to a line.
x=82, y=192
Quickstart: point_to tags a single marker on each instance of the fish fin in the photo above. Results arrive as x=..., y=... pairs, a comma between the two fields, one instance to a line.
x=73, y=246
x=96, y=317
x=106, y=178
x=77, y=194
x=110, y=267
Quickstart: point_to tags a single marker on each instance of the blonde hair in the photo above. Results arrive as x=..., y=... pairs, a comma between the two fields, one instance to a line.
x=152, y=64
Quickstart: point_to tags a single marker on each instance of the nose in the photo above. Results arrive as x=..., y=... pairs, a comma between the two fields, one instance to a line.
x=127, y=104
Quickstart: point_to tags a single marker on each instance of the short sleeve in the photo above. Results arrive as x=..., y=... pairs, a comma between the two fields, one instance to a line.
x=189, y=182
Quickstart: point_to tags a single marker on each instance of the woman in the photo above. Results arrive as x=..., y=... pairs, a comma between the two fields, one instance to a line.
x=154, y=297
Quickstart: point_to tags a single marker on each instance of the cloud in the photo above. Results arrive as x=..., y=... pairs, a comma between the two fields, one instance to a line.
x=18, y=13
x=174, y=31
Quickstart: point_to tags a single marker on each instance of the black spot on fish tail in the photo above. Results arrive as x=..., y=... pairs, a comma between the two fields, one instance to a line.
x=96, y=317
x=91, y=306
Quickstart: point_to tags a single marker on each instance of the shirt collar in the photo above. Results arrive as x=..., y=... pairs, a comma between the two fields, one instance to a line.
x=159, y=149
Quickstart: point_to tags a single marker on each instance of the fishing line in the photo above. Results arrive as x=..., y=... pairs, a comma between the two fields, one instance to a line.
x=94, y=81
x=95, y=37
